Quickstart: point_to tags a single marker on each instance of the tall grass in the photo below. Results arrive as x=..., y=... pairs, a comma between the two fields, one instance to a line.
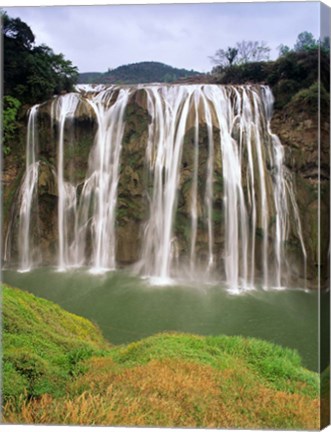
x=170, y=393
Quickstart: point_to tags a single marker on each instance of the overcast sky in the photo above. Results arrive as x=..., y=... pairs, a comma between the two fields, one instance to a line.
x=96, y=38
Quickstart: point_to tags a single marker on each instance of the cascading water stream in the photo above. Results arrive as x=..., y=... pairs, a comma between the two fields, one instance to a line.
x=283, y=193
x=209, y=182
x=235, y=215
x=263, y=214
x=100, y=186
x=64, y=108
x=168, y=108
x=76, y=221
x=246, y=124
x=194, y=203
x=28, y=193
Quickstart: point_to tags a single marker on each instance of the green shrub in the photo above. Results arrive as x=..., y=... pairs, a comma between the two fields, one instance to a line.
x=11, y=106
x=307, y=99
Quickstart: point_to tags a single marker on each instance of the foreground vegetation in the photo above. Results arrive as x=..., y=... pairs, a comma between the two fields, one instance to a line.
x=59, y=369
x=42, y=345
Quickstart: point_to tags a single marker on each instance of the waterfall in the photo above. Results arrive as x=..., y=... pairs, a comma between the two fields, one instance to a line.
x=27, y=193
x=100, y=187
x=209, y=182
x=284, y=197
x=235, y=215
x=194, y=210
x=169, y=109
x=231, y=143
x=246, y=206
x=246, y=124
x=76, y=221
x=64, y=108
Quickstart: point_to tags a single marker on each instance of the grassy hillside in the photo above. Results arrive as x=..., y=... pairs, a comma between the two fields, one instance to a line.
x=138, y=73
x=42, y=345
x=59, y=370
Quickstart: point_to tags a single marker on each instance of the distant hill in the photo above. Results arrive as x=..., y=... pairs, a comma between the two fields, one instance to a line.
x=138, y=73
x=89, y=77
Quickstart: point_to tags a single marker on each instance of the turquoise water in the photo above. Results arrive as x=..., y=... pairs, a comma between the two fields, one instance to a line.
x=127, y=308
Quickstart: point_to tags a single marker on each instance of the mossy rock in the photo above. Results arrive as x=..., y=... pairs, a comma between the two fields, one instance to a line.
x=47, y=182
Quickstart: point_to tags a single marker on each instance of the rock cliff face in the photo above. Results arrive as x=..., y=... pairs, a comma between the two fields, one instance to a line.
x=309, y=162
x=298, y=132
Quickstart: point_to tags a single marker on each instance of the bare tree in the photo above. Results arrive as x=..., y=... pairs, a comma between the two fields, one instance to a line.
x=224, y=57
x=252, y=51
x=243, y=52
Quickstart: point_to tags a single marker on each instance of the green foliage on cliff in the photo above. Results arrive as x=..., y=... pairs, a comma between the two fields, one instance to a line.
x=294, y=71
x=32, y=73
x=286, y=76
x=307, y=98
x=11, y=106
x=138, y=73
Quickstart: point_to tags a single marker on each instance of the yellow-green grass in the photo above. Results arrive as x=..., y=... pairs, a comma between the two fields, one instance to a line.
x=61, y=371
x=42, y=345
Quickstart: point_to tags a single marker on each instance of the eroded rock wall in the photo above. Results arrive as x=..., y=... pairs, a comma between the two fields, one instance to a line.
x=309, y=164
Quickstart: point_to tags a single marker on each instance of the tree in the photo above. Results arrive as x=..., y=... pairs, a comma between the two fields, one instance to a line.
x=243, y=52
x=283, y=50
x=60, y=72
x=231, y=54
x=9, y=115
x=32, y=73
x=252, y=51
x=305, y=42
x=325, y=44
x=224, y=58
x=17, y=30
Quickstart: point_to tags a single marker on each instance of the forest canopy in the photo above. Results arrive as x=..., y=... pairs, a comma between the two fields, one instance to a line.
x=32, y=73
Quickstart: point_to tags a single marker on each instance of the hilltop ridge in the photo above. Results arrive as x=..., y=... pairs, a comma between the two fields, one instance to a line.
x=138, y=73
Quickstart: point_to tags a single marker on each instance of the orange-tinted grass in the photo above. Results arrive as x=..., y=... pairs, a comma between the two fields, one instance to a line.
x=169, y=393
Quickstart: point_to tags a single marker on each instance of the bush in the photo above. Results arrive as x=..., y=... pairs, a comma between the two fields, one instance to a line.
x=11, y=106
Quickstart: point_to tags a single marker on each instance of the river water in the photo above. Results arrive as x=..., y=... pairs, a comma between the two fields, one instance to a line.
x=127, y=308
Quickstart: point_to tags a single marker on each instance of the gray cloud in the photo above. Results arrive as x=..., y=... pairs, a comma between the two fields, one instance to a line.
x=183, y=35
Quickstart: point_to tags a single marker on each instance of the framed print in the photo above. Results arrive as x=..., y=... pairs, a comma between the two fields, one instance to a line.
x=166, y=215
